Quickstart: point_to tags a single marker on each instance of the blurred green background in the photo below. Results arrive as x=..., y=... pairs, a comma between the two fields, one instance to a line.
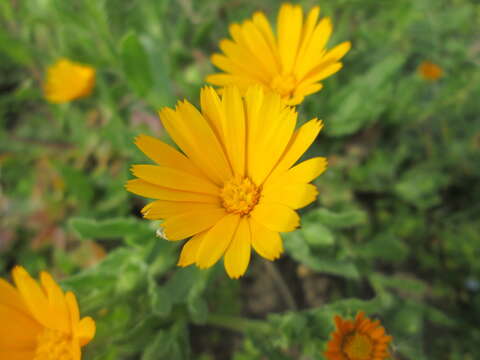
x=395, y=231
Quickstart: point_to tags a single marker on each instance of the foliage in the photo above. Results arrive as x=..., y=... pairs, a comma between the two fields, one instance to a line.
x=396, y=228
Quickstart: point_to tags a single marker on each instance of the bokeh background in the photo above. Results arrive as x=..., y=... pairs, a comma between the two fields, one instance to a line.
x=395, y=230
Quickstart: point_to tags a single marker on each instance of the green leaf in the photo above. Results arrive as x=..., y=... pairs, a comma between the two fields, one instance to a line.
x=351, y=109
x=136, y=64
x=108, y=229
x=298, y=248
x=79, y=185
x=409, y=318
x=161, y=93
x=182, y=282
x=14, y=49
x=317, y=235
x=403, y=283
x=169, y=344
x=384, y=246
x=345, y=219
x=421, y=186
x=198, y=309
x=161, y=301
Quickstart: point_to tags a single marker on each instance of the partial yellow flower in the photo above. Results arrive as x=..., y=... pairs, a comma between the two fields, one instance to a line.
x=67, y=80
x=39, y=321
x=291, y=62
x=430, y=71
x=359, y=339
x=234, y=187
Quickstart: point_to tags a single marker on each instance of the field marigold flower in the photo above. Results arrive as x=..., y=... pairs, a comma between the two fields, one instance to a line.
x=235, y=187
x=360, y=339
x=430, y=71
x=39, y=321
x=291, y=63
x=67, y=80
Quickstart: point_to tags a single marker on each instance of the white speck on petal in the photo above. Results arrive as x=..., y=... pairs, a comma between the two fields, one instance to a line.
x=161, y=233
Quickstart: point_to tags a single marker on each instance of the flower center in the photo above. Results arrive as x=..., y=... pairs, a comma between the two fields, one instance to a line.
x=358, y=347
x=53, y=345
x=239, y=195
x=283, y=85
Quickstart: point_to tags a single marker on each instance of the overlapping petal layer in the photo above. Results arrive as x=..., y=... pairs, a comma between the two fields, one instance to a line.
x=291, y=62
x=231, y=187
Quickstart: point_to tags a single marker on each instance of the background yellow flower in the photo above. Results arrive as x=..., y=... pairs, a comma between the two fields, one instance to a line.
x=67, y=80
x=235, y=187
x=291, y=62
x=39, y=321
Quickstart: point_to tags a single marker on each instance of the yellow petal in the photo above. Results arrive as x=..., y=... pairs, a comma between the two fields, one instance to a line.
x=188, y=255
x=260, y=47
x=304, y=89
x=17, y=331
x=323, y=71
x=266, y=243
x=75, y=349
x=85, y=330
x=275, y=216
x=161, y=209
x=307, y=32
x=226, y=64
x=216, y=241
x=237, y=255
x=243, y=59
x=294, y=196
x=262, y=24
x=315, y=49
x=174, y=179
x=17, y=354
x=274, y=129
x=227, y=79
x=235, y=129
x=73, y=310
x=34, y=297
x=211, y=106
x=304, y=172
x=192, y=132
x=254, y=98
x=187, y=224
x=338, y=51
x=143, y=188
x=56, y=298
x=296, y=99
x=165, y=155
x=289, y=30
x=299, y=143
x=9, y=296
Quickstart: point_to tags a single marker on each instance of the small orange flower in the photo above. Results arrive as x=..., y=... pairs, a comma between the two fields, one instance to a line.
x=430, y=71
x=359, y=339
x=67, y=80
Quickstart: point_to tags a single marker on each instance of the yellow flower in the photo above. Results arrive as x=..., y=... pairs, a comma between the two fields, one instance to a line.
x=360, y=339
x=39, y=321
x=292, y=63
x=235, y=187
x=67, y=80
x=430, y=71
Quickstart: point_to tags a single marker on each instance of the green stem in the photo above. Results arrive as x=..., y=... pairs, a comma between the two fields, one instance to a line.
x=237, y=323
